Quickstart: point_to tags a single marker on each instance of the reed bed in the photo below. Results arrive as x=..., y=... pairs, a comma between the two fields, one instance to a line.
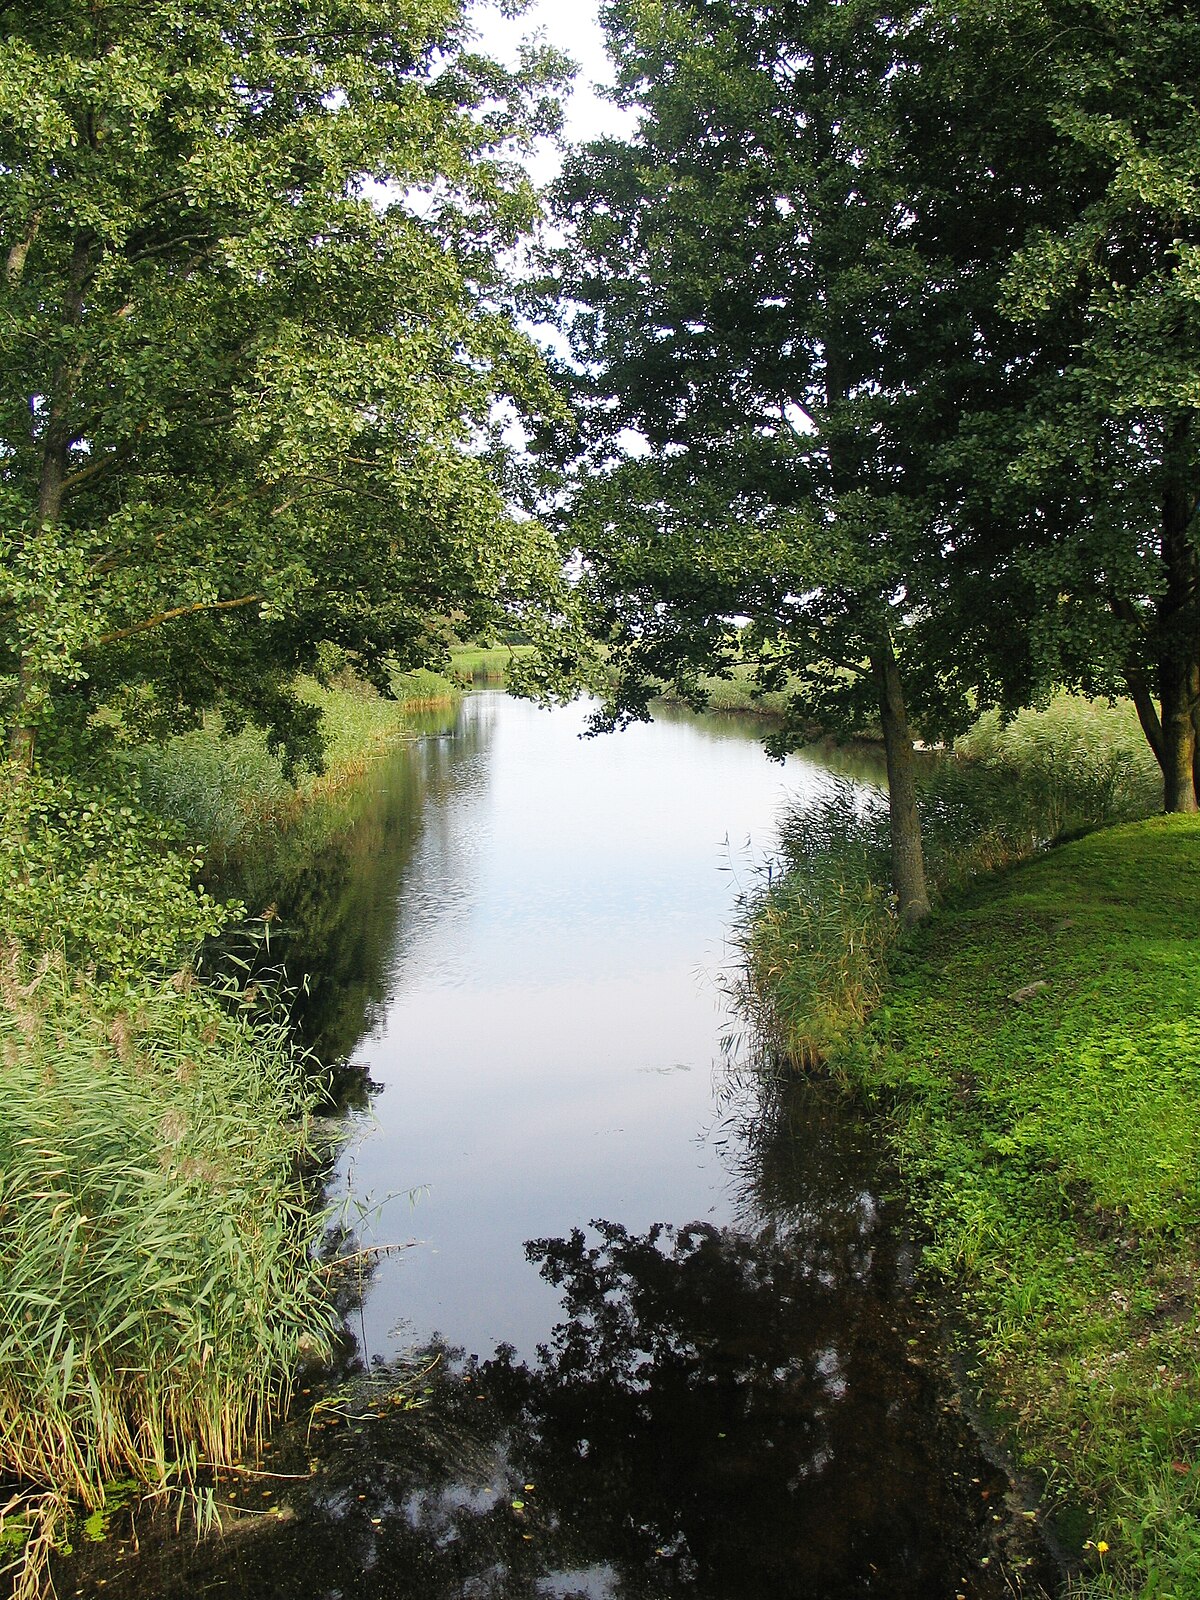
x=159, y=1281
x=813, y=937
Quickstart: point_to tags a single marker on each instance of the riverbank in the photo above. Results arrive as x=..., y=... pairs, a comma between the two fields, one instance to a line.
x=1036, y=1051
x=160, y=1275
x=231, y=792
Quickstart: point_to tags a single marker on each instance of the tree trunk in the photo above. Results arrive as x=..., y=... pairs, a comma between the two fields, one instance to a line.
x=908, y=855
x=1178, y=630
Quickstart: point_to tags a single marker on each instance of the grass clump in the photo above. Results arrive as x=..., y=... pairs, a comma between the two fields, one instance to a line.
x=1052, y=1146
x=158, y=1283
x=813, y=937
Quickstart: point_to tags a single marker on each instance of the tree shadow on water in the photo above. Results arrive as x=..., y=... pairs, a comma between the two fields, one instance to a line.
x=720, y=1414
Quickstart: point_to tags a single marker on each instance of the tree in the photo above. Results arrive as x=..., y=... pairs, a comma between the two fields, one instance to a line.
x=742, y=293
x=1118, y=418
x=254, y=338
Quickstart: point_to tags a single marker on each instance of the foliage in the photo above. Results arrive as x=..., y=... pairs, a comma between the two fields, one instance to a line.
x=157, y=1282
x=84, y=867
x=1050, y=1146
x=254, y=339
x=725, y=288
x=1086, y=519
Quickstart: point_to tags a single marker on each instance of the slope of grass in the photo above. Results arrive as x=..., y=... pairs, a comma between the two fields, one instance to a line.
x=227, y=793
x=1038, y=1046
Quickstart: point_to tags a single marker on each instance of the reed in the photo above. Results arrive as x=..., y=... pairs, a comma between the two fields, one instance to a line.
x=813, y=935
x=158, y=1273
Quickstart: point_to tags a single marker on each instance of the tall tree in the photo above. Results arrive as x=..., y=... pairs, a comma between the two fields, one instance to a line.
x=742, y=292
x=1117, y=419
x=253, y=339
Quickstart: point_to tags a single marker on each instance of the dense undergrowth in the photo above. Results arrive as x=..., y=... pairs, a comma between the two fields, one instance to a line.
x=159, y=1272
x=1035, y=1050
x=158, y=1275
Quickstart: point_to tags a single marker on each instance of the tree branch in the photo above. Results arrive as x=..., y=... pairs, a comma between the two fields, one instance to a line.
x=172, y=616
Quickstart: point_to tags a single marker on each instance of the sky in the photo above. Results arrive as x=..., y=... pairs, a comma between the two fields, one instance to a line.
x=571, y=26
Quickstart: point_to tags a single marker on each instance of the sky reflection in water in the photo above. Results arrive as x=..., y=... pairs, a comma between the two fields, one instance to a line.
x=546, y=1053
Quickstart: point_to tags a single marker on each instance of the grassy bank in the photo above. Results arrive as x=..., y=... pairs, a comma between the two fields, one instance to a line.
x=1035, y=1051
x=231, y=792
x=1038, y=1047
x=815, y=938
x=472, y=664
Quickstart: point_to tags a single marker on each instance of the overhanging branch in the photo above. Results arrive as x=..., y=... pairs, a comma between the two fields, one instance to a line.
x=174, y=615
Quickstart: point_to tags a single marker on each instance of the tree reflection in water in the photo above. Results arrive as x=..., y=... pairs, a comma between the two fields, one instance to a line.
x=724, y=1413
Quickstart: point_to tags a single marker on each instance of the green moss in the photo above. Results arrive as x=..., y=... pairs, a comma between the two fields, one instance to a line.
x=1052, y=1147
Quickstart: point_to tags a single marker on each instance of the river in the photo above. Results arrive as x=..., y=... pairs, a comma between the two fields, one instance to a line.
x=637, y=1323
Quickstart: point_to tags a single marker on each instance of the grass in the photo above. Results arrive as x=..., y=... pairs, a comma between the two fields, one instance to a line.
x=231, y=794
x=815, y=937
x=1052, y=1149
x=735, y=695
x=158, y=1279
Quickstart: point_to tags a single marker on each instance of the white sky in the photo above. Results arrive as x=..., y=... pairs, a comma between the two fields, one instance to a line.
x=571, y=26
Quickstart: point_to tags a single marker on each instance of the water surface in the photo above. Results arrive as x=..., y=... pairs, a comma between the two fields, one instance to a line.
x=661, y=1308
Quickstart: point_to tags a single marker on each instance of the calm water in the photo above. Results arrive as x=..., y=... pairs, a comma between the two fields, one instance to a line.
x=662, y=1309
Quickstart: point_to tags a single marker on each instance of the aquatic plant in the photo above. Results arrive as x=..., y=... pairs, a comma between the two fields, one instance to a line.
x=158, y=1275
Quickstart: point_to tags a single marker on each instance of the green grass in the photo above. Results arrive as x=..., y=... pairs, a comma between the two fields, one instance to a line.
x=229, y=794
x=1052, y=1149
x=472, y=664
x=158, y=1279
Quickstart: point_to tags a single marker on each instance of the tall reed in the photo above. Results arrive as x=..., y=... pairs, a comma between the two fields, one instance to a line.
x=158, y=1271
